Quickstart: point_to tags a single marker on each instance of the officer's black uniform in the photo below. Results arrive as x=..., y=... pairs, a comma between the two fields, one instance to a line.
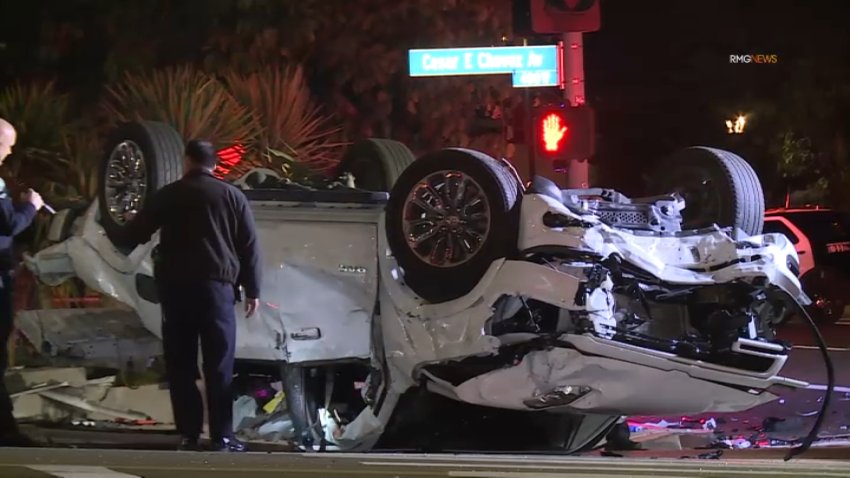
x=208, y=247
x=13, y=220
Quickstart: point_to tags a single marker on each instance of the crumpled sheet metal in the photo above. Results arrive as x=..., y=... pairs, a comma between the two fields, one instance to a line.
x=613, y=384
x=100, y=337
x=672, y=259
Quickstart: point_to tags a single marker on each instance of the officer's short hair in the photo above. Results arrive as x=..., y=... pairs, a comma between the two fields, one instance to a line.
x=201, y=152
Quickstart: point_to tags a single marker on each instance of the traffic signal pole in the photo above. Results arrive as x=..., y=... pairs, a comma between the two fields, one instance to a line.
x=529, y=128
x=578, y=175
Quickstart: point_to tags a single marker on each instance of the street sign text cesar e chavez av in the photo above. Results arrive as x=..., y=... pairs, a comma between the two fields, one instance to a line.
x=538, y=65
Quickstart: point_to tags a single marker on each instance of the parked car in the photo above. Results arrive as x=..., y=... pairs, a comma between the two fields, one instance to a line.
x=821, y=237
x=448, y=284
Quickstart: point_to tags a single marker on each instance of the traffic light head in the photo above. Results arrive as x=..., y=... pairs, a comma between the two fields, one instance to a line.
x=562, y=133
x=555, y=16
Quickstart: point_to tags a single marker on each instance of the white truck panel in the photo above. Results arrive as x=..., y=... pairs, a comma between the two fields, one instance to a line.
x=306, y=258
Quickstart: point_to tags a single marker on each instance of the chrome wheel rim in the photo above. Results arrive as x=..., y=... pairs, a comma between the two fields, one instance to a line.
x=446, y=218
x=125, y=183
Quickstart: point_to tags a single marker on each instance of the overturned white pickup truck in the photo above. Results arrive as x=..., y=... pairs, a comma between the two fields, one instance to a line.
x=464, y=289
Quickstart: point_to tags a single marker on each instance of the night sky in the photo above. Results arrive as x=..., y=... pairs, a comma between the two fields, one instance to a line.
x=659, y=75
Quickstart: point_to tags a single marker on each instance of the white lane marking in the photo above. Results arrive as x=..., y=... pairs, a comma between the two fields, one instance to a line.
x=69, y=471
x=822, y=388
x=510, y=474
x=815, y=347
x=448, y=464
x=620, y=469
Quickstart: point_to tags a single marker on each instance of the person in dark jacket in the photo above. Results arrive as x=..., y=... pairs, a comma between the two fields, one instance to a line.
x=13, y=220
x=207, y=250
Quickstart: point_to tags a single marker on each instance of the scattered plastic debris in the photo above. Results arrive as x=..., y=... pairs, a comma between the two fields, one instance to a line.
x=714, y=455
x=261, y=414
x=274, y=403
x=684, y=423
x=277, y=429
x=739, y=443
x=244, y=408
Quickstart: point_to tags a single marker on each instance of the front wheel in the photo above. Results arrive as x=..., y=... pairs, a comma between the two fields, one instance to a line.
x=450, y=215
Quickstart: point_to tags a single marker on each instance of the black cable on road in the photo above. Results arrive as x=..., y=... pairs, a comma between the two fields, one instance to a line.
x=830, y=385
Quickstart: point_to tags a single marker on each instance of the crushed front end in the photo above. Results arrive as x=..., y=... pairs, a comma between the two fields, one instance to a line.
x=600, y=315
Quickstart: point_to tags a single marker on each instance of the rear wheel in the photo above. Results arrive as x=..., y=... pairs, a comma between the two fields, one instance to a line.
x=719, y=187
x=303, y=392
x=376, y=164
x=450, y=215
x=140, y=158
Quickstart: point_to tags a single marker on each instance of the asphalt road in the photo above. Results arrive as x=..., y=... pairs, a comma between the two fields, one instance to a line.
x=45, y=463
x=794, y=414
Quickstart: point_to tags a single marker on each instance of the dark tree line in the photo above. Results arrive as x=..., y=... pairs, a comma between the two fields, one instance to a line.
x=659, y=78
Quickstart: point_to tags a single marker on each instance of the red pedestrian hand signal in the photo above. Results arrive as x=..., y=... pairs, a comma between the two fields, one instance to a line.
x=563, y=133
x=553, y=130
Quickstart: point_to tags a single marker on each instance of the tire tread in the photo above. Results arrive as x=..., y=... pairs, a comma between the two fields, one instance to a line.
x=163, y=149
x=393, y=156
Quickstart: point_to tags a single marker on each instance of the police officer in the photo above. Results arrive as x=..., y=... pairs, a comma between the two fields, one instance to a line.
x=208, y=248
x=13, y=220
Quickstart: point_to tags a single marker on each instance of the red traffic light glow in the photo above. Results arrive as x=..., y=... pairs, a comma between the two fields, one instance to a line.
x=553, y=131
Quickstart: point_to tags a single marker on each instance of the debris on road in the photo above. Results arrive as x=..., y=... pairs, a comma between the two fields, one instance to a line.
x=707, y=433
x=244, y=410
x=40, y=388
x=105, y=337
x=262, y=415
x=92, y=409
x=64, y=395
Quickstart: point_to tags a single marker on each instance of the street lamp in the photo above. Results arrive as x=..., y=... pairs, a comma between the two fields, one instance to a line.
x=736, y=126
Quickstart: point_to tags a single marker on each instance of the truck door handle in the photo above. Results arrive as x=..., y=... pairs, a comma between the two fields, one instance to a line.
x=310, y=333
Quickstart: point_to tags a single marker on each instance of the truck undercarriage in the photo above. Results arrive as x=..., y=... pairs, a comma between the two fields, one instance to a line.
x=457, y=288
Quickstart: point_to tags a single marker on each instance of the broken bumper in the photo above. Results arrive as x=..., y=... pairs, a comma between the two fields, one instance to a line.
x=625, y=382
